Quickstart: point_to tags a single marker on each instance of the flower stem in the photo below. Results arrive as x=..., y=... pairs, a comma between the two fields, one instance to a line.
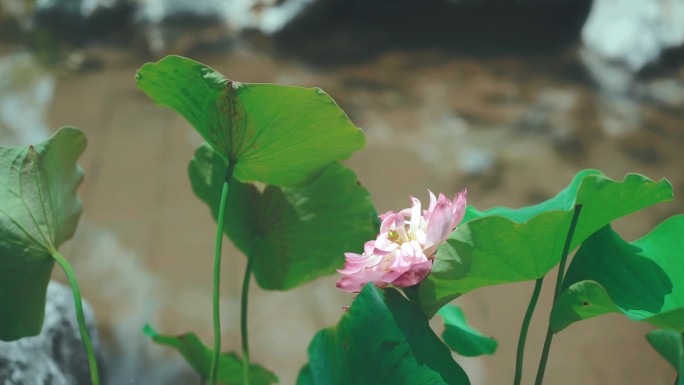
x=83, y=329
x=217, y=275
x=556, y=293
x=523, y=331
x=679, y=380
x=243, y=322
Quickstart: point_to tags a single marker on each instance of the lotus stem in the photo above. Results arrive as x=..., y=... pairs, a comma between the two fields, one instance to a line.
x=559, y=286
x=78, y=303
x=217, y=275
x=523, y=331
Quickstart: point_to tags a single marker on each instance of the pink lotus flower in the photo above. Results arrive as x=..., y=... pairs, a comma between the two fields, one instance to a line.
x=403, y=252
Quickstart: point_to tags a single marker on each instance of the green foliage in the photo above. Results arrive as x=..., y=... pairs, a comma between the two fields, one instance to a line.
x=274, y=134
x=39, y=210
x=642, y=279
x=503, y=245
x=670, y=345
x=199, y=357
x=327, y=360
x=463, y=338
x=294, y=234
x=294, y=210
x=382, y=339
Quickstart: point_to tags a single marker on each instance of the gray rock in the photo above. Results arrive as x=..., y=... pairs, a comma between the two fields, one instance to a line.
x=56, y=356
x=25, y=97
x=634, y=32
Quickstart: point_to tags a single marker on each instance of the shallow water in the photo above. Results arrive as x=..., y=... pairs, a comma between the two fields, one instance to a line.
x=513, y=129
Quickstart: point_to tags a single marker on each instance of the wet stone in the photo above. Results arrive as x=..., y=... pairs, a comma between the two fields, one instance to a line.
x=56, y=356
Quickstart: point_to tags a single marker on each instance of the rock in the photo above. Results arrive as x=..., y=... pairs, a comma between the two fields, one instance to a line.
x=56, y=356
x=267, y=16
x=25, y=98
x=634, y=32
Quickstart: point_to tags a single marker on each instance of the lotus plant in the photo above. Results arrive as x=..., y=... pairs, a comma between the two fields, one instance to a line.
x=267, y=172
x=402, y=253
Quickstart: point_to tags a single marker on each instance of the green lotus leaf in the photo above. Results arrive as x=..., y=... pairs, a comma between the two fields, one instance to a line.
x=328, y=363
x=642, y=280
x=39, y=210
x=503, y=245
x=463, y=338
x=294, y=234
x=274, y=134
x=198, y=356
x=670, y=345
x=382, y=339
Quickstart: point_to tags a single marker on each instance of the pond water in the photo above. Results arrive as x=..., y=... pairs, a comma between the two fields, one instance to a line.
x=513, y=128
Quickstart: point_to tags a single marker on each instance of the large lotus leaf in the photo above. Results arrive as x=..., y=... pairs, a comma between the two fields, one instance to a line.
x=382, y=339
x=642, y=279
x=39, y=210
x=328, y=364
x=294, y=234
x=199, y=357
x=274, y=134
x=463, y=338
x=504, y=245
x=670, y=345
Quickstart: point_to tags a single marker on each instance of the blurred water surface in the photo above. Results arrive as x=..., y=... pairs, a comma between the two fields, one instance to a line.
x=511, y=125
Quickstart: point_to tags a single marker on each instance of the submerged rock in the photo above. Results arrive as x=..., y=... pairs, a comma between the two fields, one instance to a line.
x=56, y=356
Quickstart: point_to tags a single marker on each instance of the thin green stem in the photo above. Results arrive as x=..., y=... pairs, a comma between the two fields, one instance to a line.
x=243, y=322
x=523, y=331
x=559, y=286
x=83, y=329
x=679, y=380
x=544, y=358
x=217, y=276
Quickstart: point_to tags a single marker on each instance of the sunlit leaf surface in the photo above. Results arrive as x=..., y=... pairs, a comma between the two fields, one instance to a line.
x=274, y=134
x=503, y=245
x=643, y=280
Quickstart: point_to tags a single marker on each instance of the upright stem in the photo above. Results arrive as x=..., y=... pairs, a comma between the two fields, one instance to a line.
x=557, y=292
x=544, y=358
x=76, y=291
x=217, y=276
x=679, y=380
x=523, y=331
x=243, y=322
